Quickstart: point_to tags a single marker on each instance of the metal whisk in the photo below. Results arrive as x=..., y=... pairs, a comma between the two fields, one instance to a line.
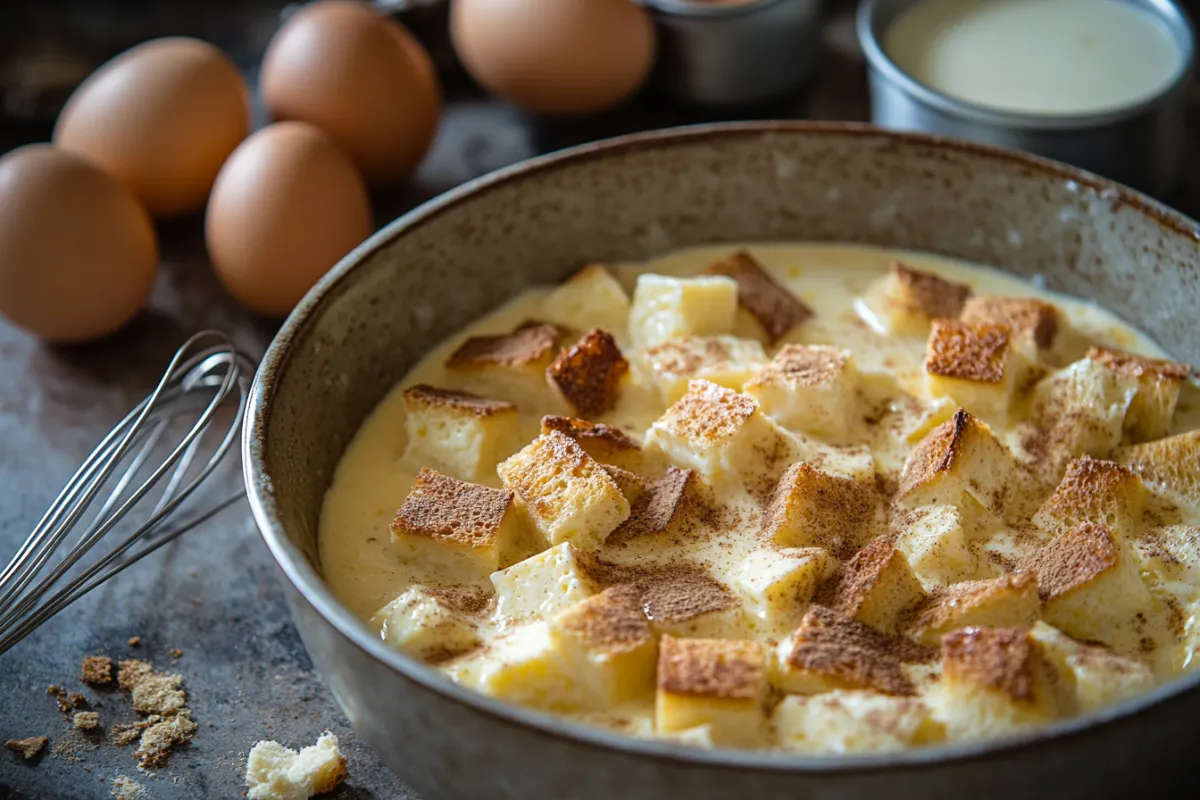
x=142, y=475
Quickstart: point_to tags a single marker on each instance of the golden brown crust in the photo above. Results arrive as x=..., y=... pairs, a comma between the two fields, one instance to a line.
x=589, y=433
x=448, y=509
x=1003, y=659
x=967, y=352
x=1135, y=366
x=1092, y=489
x=669, y=594
x=612, y=620
x=589, y=372
x=722, y=668
x=28, y=748
x=950, y=602
x=425, y=397
x=1071, y=559
x=803, y=365
x=929, y=294
x=665, y=504
x=935, y=453
x=332, y=777
x=709, y=413
x=534, y=344
x=1027, y=317
x=837, y=508
x=632, y=485
x=862, y=573
x=688, y=354
x=96, y=670
x=830, y=644
x=776, y=309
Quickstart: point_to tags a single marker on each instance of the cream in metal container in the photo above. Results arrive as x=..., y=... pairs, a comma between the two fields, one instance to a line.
x=1097, y=83
x=735, y=53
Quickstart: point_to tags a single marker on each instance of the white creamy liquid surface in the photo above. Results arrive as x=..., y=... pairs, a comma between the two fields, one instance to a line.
x=1036, y=56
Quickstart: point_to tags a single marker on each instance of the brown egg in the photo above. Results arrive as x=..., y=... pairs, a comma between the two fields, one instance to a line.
x=77, y=251
x=361, y=78
x=564, y=58
x=162, y=118
x=287, y=205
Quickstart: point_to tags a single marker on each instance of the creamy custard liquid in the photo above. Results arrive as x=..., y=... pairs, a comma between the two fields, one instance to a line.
x=1036, y=56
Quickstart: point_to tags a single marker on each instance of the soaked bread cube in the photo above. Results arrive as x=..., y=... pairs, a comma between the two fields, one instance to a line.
x=1095, y=676
x=852, y=721
x=526, y=666
x=774, y=310
x=811, y=388
x=775, y=586
x=671, y=507
x=541, y=585
x=974, y=365
x=687, y=601
x=461, y=434
x=995, y=681
x=1158, y=384
x=721, y=434
x=814, y=508
x=606, y=444
x=1081, y=409
x=725, y=360
x=1171, y=466
x=1010, y=601
x=667, y=308
x=455, y=525
x=1091, y=589
x=720, y=683
x=430, y=624
x=960, y=463
x=1097, y=491
x=509, y=366
x=590, y=298
x=910, y=299
x=608, y=643
x=831, y=651
x=934, y=543
x=878, y=587
x=587, y=375
x=1034, y=323
x=563, y=492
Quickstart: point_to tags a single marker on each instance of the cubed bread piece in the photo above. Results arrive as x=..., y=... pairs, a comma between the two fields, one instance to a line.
x=974, y=365
x=1171, y=555
x=721, y=434
x=814, y=508
x=563, y=492
x=1081, y=410
x=1095, y=676
x=995, y=681
x=526, y=666
x=1097, y=491
x=831, y=651
x=1034, y=323
x=447, y=523
x=541, y=585
x=1171, y=466
x=721, y=683
x=853, y=721
x=1158, y=383
x=960, y=463
x=1091, y=589
x=910, y=299
x=725, y=360
x=935, y=544
x=1010, y=601
x=667, y=308
x=590, y=298
x=632, y=485
x=461, y=434
x=687, y=601
x=609, y=646
x=275, y=772
x=775, y=586
x=588, y=374
x=606, y=444
x=509, y=366
x=672, y=507
x=775, y=310
x=877, y=587
x=811, y=388
x=431, y=624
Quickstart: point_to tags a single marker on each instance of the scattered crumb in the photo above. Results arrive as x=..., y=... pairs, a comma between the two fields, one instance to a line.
x=97, y=669
x=176, y=653
x=132, y=673
x=124, y=788
x=134, y=641
x=154, y=749
x=153, y=692
x=27, y=747
x=128, y=732
x=77, y=700
x=161, y=696
x=52, y=689
x=70, y=746
x=274, y=772
x=87, y=720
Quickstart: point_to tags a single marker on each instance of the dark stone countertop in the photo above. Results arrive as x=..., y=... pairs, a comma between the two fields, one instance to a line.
x=213, y=594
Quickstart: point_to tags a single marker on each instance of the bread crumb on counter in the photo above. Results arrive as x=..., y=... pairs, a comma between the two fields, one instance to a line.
x=96, y=670
x=87, y=720
x=275, y=772
x=29, y=748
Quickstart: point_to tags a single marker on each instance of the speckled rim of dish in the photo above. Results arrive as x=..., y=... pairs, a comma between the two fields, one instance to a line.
x=312, y=587
x=1172, y=12
x=699, y=8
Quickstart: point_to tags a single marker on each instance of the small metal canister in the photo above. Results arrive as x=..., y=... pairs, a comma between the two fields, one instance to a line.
x=735, y=53
x=1139, y=145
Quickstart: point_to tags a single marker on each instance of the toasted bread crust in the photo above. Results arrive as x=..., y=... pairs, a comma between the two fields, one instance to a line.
x=723, y=668
x=591, y=433
x=804, y=365
x=533, y=344
x=838, y=506
x=1135, y=366
x=929, y=294
x=423, y=396
x=830, y=644
x=1071, y=559
x=1002, y=659
x=665, y=503
x=612, y=620
x=709, y=413
x=1026, y=316
x=444, y=508
x=588, y=373
x=776, y=309
x=862, y=573
x=944, y=605
x=967, y=352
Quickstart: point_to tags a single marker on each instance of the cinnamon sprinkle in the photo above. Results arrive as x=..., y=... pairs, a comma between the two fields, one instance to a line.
x=776, y=309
